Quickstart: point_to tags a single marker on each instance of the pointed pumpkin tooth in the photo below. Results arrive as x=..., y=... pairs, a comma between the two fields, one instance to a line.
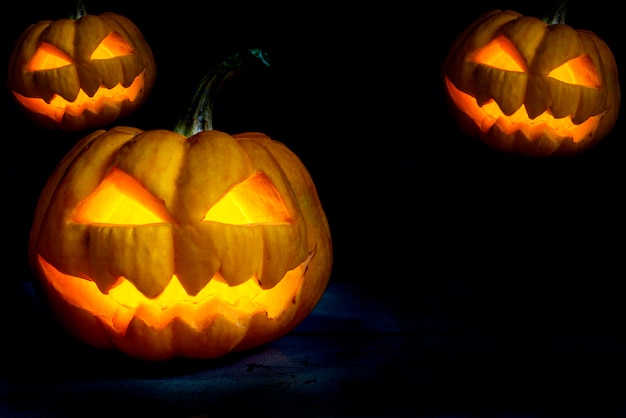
x=90, y=87
x=277, y=261
x=132, y=254
x=235, y=276
x=268, y=281
x=196, y=261
x=193, y=280
x=235, y=241
x=150, y=284
x=104, y=280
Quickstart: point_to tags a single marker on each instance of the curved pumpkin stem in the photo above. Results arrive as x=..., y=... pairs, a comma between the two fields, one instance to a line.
x=79, y=10
x=199, y=116
x=558, y=15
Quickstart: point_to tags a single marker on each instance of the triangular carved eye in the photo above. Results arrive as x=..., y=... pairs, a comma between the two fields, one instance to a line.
x=121, y=200
x=253, y=201
x=500, y=53
x=48, y=57
x=579, y=71
x=112, y=46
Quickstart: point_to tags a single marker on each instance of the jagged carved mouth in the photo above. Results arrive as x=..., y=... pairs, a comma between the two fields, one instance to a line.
x=490, y=114
x=59, y=106
x=124, y=302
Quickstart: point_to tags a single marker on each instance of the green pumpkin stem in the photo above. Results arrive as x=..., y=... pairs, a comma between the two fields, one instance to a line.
x=558, y=14
x=79, y=10
x=199, y=116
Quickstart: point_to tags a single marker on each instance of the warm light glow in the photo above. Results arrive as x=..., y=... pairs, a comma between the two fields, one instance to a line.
x=124, y=302
x=48, y=57
x=490, y=114
x=121, y=200
x=579, y=71
x=58, y=106
x=500, y=53
x=112, y=46
x=253, y=201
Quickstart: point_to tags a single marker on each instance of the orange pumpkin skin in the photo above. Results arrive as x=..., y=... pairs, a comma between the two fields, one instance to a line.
x=539, y=112
x=79, y=257
x=74, y=75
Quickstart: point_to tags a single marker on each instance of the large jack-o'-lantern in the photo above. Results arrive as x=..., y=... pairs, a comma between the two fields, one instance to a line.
x=521, y=84
x=164, y=245
x=83, y=72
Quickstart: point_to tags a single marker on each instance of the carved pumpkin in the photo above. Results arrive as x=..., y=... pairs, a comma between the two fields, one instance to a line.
x=83, y=72
x=163, y=245
x=523, y=85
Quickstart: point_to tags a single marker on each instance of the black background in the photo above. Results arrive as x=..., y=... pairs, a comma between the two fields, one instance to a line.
x=414, y=206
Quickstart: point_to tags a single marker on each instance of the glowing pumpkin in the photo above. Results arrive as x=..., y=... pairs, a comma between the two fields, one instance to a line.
x=521, y=84
x=163, y=245
x=83, y=72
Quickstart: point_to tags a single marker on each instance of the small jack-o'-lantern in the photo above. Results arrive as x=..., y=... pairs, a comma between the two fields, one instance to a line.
x=83, y=72
x=163, y=245
x=534, y=87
